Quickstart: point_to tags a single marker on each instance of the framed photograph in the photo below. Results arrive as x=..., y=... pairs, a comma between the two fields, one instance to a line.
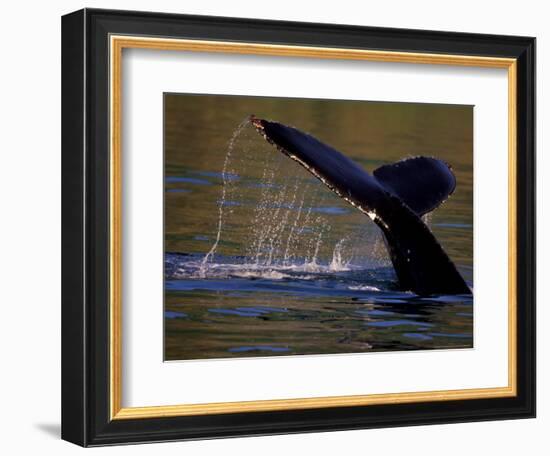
x=278, y=227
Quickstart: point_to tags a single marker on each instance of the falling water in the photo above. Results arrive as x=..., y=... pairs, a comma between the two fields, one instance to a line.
x=231, y=145
x=338, y=263
x=289, y=240
x=290, y=221
x=262, y=259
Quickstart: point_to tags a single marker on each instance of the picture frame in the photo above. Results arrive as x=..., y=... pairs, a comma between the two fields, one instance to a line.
x=92, y=45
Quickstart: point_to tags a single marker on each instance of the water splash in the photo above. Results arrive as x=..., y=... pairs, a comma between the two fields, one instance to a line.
x=338, y=263
x=290, y=237
x=221, y=203
x=287, y=219
x=311, y=263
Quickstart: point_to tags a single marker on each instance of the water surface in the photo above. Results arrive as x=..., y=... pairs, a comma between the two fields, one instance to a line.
x=262, y=260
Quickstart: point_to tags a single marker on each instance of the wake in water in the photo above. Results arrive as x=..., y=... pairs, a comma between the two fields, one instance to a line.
x=183, y=270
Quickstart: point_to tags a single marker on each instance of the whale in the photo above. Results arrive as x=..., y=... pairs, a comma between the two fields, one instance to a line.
x=395, y=197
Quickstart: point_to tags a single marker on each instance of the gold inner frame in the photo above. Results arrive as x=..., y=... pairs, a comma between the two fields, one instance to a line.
x=117, y=44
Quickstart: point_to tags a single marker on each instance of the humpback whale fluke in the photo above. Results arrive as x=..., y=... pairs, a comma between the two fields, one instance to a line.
x=395, y=197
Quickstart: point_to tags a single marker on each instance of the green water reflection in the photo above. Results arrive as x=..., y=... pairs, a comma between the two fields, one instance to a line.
x=206, y=318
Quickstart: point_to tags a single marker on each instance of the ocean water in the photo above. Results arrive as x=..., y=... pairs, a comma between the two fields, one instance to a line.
x=261, y=259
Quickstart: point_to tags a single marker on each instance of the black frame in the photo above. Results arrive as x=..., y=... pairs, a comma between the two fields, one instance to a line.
x=85, y=221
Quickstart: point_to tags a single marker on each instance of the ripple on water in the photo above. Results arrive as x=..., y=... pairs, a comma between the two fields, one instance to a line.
x=248, y=311
x=186, y=180
x=418, y=336
x=171, y=314
x=241, y=309
x=391, y=323
x=258, y=348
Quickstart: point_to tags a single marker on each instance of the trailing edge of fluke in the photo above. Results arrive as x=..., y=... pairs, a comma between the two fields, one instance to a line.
x=395, y=197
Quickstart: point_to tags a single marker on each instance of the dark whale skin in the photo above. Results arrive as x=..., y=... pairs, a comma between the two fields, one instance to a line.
x=395, y=198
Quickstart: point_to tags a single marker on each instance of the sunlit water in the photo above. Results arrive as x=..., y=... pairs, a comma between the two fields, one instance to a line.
x=261, y=259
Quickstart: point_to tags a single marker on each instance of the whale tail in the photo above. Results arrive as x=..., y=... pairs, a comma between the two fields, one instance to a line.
x=395, y=197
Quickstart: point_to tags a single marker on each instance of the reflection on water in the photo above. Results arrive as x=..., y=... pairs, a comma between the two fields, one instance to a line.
x=262, y=260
